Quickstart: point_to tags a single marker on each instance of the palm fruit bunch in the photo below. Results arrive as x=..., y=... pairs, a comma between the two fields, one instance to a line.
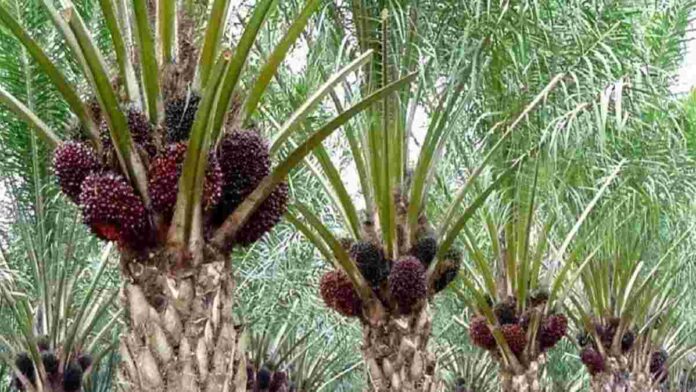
x=179, y=114
x=553, y=329
x=515, y=337
x=369, y=258
x=407, y=283
x=514, y=325
x=339, y=294
x=425, y=248
x=606, y=330
x=593, y=360
x=480, y=333
x=67, y=379
x=114, y=210
x=163, y=177
x=141, y=130
x=447, y=270
x=245, y=160
x=266, y=380
x=460, y=386
x=658, y=365
x=73, y=162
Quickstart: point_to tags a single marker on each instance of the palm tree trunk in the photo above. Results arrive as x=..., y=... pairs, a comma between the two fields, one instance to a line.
x=180, y=334
x=525, y=382
x=618, y=382
x=617, y=378
x=396, y=354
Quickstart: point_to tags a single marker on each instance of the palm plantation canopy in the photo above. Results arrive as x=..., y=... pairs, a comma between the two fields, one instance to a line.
x=319, y=195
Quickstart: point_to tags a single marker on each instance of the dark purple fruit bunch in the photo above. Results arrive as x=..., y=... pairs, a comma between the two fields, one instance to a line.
x=552, y=330
x=85, y=361
x=50, y=362
x=627, y=341
x=265, y=218
x=73, y=162
x=407, y=283
x=25, y=366
x=113, y=210
x=263, y=379
x=515, y=337
x=279, y=382
x=593, y=360
x=515, y=325
x=72, y=377
x=425, y=249
x=266, y=380
x=140, y=129
x=606, y=332
x=506, y=311
x=447, y=270
x=245, y=161
x=658, y=360
x=179, y=114
x=338, y=293
x=163, y=180
x=369, y=259
x=480, y=334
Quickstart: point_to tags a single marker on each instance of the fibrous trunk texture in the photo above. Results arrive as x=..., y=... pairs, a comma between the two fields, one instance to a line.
x=397, y=356
x=180, y=334
x=617, y=378
x=524, y=382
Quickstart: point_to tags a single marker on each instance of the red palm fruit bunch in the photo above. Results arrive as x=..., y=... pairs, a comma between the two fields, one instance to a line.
x=338, y=293
x=593, y=360
x=115, y=211
x=163, y=177
x=514, y=325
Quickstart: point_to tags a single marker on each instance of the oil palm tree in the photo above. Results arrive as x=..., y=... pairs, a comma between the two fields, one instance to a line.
x=627, y=309
x=59, y=309
x=518, y=297
x=166, y=165
x=389, y=261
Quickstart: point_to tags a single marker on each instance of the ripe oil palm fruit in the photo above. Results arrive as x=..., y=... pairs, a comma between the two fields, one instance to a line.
x=518, y=302
x=175, y=229
x=629, y=330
